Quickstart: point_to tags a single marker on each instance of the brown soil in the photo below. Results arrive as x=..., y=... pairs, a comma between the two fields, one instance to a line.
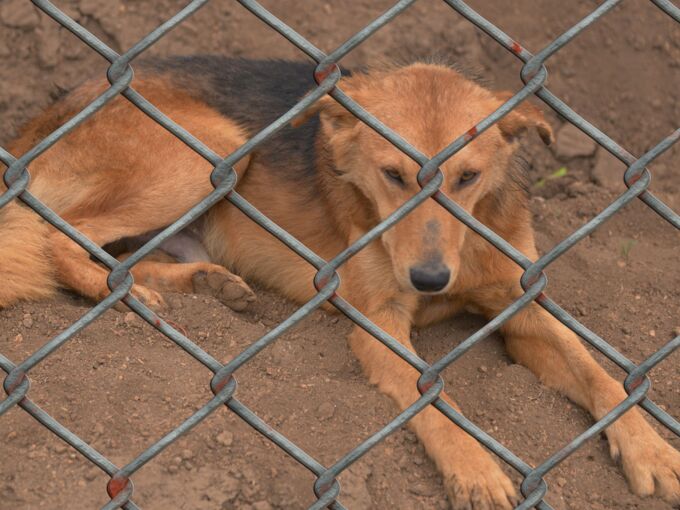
x=119, y=385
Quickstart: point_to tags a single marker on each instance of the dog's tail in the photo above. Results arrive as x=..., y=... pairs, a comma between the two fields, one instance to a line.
x=26, y=272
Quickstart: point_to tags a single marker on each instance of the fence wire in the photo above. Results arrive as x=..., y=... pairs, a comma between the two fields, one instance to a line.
x=223, y=178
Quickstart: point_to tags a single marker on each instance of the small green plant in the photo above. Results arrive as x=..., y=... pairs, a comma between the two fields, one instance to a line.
x=560, y=172
x=626, y=246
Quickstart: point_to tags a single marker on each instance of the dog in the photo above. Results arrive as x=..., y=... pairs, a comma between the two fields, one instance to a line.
x=120, y=177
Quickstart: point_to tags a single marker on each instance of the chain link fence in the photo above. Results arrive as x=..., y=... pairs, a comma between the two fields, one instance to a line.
x=223, y=178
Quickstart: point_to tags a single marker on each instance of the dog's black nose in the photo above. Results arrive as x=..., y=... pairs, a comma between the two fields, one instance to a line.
x=430, y=277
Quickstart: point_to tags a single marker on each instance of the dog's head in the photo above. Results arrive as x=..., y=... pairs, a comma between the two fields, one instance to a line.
x=429, y=106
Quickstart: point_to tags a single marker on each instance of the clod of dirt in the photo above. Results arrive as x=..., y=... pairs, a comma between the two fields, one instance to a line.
x=225, y=438
x=571, y=142
x=325, y=411
x=19, y=14
x=608, y=171
x=48, y=44
x=423, y=489
x=231, y=487
x=355, y=493
x=600, y=74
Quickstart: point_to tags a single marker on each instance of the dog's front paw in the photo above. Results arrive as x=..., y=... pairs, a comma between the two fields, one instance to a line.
x=225, y=286
x=651, y=465
x=480, y=485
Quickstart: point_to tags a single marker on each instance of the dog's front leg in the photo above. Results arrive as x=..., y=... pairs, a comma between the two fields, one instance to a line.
x=472, y=478
x=555, y=354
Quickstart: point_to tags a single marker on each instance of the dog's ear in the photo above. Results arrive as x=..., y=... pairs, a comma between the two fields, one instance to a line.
x=332, y=114
x=523, y=117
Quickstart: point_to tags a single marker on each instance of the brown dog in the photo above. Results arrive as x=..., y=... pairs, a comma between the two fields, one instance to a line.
x=121, y=176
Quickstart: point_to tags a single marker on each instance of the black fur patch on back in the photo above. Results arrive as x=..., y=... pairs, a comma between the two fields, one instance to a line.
x=253, y=93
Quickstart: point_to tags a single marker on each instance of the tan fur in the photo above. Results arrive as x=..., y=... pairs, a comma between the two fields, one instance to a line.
x=142, y=179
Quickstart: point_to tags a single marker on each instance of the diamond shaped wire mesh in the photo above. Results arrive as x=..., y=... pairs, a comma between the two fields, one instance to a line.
x=223, y=178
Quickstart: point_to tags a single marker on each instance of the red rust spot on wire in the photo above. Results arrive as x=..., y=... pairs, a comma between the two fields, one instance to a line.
x=634, y=179
x=425, y=386
x=17, y=381
x=116, y=485
x=321, y=74
x=219, y=386
x=635, y=384
x=516, y=48
x=472, y=132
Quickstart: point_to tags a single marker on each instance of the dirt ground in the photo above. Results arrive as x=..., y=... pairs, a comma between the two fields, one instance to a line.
x=119, y=385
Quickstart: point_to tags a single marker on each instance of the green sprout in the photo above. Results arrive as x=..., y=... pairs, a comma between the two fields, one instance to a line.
x=560, y=172
x=626, y=246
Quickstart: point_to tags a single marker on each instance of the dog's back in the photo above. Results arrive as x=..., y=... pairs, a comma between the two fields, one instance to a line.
x=254, y=94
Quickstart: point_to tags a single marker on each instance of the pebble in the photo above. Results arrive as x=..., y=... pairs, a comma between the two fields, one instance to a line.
x=91, y=474
x=27, y=320
x=571, y=142
x=172, y=469
x=132, y=320
x=187, y=454
x=483, y=369
x=99, y=429
x=225, y=438
x=676, y=331
x=652, y=333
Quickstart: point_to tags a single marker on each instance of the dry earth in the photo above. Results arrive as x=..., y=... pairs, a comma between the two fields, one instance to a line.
x=120, y=385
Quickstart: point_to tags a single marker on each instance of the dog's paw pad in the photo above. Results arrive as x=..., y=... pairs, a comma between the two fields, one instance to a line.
x=228, y=288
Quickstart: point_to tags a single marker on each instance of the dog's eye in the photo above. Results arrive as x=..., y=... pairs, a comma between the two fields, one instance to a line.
x=467, y=177
x=393, y=175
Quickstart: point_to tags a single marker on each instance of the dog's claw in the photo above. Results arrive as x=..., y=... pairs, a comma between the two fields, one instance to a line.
x=146, y=296
x=227, y=287
x=487, y=488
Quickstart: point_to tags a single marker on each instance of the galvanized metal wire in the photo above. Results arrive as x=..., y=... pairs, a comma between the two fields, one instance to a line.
x=223, y=178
